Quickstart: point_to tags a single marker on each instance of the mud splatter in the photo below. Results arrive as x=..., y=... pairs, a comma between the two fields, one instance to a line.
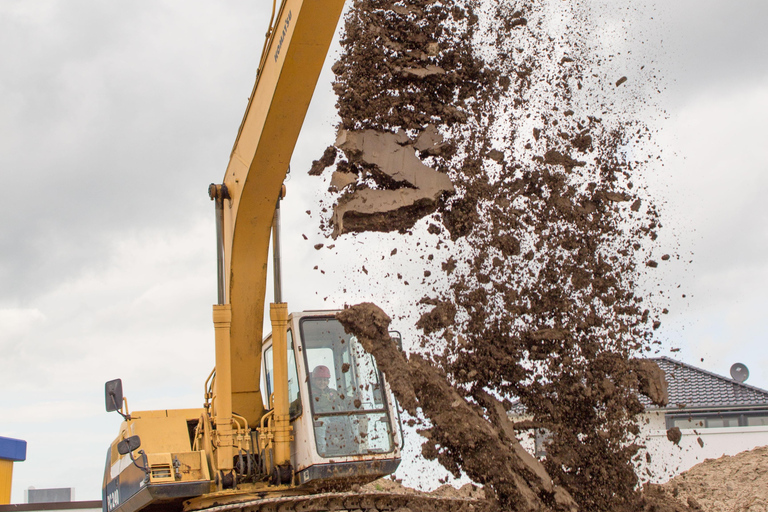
x=471, y=442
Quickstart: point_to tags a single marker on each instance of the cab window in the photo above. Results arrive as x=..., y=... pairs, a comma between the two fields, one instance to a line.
x=294, y=396
x=347, y=398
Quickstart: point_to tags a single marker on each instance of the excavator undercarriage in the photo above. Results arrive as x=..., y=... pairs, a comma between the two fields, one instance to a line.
x=354, y=502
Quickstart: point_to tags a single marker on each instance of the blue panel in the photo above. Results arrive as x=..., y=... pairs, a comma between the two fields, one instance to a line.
x=13, y=449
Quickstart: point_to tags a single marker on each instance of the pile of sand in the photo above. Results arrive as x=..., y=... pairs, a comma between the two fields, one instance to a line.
x=728, y=484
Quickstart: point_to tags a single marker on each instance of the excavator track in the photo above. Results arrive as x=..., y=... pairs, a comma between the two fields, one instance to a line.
x=355, y=502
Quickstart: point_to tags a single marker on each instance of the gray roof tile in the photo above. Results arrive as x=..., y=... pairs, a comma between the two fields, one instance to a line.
x=694, y=388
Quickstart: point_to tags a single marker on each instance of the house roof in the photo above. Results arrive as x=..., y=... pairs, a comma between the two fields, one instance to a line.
x=691, y=388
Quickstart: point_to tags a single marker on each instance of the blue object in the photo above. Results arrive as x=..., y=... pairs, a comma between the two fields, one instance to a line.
x=13, y=449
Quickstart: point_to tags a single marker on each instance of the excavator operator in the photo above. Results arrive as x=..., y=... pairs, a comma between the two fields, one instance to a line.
x=326, y=398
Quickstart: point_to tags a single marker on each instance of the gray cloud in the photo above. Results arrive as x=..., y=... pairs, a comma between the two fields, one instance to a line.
x=116, y=119
x=712, y=44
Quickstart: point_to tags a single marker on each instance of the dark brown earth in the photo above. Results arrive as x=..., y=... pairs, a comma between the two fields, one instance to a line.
x=327, y=160
x=547, y=207
x=477, y=438
x=674, y=435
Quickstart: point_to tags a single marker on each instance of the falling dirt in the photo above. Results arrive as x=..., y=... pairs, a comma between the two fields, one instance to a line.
x=474, y=444
x=548, y=229
x=479, y=440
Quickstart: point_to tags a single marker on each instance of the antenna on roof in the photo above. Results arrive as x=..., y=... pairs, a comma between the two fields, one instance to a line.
x=739, y=372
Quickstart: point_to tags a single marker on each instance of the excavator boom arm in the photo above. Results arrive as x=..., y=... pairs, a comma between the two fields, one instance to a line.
x=290, y=68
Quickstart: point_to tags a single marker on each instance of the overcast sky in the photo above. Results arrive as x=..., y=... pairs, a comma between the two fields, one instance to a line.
x=115, y=117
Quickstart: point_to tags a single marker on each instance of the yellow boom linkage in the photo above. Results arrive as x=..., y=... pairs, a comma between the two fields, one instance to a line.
x=288, y=73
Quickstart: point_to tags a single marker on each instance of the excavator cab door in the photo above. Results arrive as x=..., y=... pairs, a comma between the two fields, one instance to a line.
x=350, y=410
x=294, y=395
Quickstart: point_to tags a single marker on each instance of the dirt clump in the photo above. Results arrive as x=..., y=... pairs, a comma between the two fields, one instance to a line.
x=652, y=382
x=442, y=316
x=674, y=435
x=406, y=189
x=325, y=161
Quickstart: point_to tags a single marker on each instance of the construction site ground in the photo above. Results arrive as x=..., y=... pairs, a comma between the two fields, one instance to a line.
x=737, y=483
x=730, y=483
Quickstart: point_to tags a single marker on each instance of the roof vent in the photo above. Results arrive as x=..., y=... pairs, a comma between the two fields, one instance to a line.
x=739, y=372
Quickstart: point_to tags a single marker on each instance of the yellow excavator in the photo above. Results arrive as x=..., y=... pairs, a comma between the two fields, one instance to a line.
x=290, y=419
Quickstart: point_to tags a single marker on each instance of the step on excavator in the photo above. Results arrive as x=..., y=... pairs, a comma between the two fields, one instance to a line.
x=292, y=420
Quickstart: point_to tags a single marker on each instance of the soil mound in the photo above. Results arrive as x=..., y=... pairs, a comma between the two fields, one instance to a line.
x=470, y=491
x=730, y=483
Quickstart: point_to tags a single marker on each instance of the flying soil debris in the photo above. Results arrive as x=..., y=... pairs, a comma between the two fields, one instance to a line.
x=499, y=133
x=389, y=157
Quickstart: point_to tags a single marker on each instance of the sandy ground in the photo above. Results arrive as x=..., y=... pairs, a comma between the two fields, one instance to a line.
x=728, y=484
x=736, y=483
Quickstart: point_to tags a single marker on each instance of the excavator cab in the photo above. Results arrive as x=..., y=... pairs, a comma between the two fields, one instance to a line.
x=344, y=419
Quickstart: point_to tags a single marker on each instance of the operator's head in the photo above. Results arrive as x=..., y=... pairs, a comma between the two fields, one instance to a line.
x=321, y=376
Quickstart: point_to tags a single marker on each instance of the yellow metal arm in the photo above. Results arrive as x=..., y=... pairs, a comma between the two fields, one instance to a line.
x=257, y=167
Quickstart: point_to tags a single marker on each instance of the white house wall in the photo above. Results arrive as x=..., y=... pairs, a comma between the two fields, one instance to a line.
x=669, y=460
